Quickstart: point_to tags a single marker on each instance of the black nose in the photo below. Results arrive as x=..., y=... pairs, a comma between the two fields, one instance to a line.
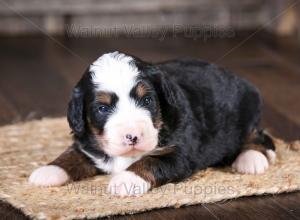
x=131, y=138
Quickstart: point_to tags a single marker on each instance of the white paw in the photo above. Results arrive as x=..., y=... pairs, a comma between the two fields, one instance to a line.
x=271, y=155
x=251, y=162
x=48, y=176
x=127, y=183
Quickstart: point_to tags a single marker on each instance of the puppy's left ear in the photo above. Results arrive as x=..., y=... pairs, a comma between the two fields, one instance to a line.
x=168, y=91
x=76, y=112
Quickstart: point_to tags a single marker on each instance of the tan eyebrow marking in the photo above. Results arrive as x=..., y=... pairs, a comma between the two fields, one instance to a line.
x=141, y=90
x=104, y=98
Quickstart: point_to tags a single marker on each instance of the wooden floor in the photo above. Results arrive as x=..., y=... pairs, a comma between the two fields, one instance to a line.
x=37, y=75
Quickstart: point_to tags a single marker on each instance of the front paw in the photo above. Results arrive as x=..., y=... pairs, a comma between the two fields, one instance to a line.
x=251, y=162
x=49, y=176
x=127, y=183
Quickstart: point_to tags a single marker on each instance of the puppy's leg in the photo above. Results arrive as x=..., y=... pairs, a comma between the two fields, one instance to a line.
x=147, y=173
x=256, y=155
x=72, y=165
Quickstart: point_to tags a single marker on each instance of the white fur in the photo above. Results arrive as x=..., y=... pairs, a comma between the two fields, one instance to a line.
x=114, y=72
x=251, y=162
x=49, y=176
x=129, y=119
x=128, y=183
x=114, y=164
x=271, y=156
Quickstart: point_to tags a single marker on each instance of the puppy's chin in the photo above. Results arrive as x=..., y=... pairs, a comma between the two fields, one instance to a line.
x=126, y=151
x=133, y=153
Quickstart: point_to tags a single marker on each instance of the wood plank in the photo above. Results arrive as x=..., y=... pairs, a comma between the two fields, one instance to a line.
x=278, y=86
x=9, y=212
x=279, y=125
x=103, y=6
x=272, y=207
x=8, y=113
x=32, y=86
x=285, y=50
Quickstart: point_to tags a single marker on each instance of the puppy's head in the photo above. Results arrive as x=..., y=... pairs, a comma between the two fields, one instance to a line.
x=117, y=101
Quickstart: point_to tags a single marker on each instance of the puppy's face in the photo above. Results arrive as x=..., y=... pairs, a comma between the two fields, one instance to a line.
x=123, y=112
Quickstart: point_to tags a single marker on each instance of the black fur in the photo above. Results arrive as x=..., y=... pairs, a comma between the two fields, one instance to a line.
x=207, y=114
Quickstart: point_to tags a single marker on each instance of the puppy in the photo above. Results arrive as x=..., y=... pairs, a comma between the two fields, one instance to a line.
x=151, y=124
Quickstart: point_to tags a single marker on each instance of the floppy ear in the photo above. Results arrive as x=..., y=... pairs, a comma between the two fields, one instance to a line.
x=75, y=112
x=168, y=91
x=170, y=95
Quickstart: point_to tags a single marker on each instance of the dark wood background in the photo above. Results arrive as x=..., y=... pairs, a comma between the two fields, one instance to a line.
x=38, y=73
x=56, y=16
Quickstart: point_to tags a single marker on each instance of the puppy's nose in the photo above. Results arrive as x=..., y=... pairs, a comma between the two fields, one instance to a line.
x=131, y=139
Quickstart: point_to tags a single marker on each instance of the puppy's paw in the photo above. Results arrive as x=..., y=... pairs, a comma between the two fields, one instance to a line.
x=251, y=162
x=271, y=155
x=127, y=183
x=49, y=176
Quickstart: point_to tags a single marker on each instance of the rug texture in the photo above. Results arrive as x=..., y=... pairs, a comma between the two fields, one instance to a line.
x=24, y=147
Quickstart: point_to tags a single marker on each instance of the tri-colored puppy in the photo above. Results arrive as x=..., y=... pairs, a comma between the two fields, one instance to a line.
x=150, y=124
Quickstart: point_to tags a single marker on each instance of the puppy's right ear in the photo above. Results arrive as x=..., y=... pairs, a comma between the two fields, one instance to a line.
x=76, y=112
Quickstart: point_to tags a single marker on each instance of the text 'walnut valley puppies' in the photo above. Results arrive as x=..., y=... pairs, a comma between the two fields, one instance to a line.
x=150, y=124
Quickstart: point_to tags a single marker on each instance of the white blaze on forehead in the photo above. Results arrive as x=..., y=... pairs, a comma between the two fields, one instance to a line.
x=114, y=72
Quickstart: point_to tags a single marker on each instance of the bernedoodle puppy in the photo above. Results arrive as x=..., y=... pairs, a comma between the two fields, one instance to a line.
x=151, y=124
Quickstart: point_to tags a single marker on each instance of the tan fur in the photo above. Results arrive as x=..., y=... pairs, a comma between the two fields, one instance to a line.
x=139, y=168
x=141, y=90
x=75, y=164
x=104, y=98
x=249, y=145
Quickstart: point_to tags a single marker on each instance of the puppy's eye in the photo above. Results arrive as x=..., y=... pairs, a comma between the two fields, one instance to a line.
x=103, y=108
x=146, y=101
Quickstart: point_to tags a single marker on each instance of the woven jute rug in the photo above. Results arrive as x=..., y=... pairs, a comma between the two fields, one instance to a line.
x=24, y=147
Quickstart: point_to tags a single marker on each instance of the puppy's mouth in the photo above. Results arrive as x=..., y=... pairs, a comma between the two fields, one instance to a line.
x=155, y=152
x=133, y=152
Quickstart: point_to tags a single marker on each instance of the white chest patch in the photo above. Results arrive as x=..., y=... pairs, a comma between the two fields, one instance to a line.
x=114, y=165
